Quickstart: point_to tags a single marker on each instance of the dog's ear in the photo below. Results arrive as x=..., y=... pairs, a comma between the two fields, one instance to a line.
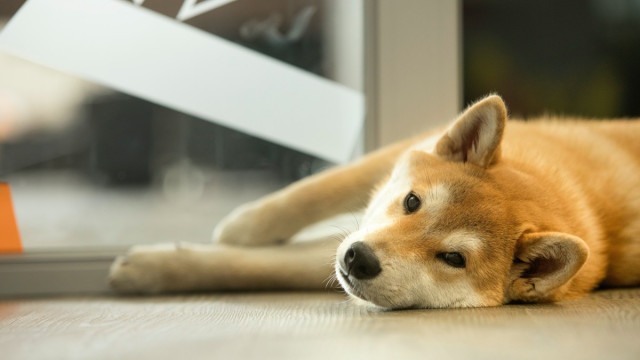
x=475, y=136
x=543, y=263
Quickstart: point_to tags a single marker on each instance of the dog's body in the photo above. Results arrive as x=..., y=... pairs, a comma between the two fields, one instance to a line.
x=478, y=215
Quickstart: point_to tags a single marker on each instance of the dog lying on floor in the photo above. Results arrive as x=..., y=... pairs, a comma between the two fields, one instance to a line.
x=481, y=214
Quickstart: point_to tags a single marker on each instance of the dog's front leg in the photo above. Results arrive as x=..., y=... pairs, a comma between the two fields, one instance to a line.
x=277, y=217
x=182, y=267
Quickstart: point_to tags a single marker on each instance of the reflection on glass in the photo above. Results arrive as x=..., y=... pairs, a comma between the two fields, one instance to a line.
x=92, y=167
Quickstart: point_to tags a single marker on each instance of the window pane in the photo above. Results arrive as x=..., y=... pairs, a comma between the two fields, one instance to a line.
x=101, y=163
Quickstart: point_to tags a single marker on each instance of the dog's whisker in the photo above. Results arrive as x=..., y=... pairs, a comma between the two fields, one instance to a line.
x=332, y=282
x=342, y=233
x=355, y=218
x=332, y=261
x=336, y=237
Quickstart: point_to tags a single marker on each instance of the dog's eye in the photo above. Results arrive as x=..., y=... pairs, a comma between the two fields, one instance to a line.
x=411, y=203
x=454, y=259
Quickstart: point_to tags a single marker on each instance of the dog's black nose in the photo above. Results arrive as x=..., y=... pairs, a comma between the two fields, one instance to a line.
x=361, y=261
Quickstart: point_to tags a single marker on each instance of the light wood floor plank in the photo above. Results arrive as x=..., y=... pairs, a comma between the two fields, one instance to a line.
x=604, y=325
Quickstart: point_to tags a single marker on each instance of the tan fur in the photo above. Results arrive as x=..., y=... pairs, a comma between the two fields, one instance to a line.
x=588, y=177
x=543, y=210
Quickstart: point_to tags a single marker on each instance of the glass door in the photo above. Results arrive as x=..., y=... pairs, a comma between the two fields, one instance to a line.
x=146, y=121
x=127, y=122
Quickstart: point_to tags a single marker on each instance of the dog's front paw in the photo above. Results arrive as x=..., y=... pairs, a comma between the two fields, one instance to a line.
x=146, y=270
x=254, y=224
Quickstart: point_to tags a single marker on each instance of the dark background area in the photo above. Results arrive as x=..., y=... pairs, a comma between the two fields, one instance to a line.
x=559, y=57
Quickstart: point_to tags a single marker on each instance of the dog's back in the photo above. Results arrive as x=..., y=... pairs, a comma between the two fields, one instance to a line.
x=593, y=168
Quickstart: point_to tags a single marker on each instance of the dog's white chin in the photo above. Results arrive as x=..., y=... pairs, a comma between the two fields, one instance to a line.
x=362, y=299
x=364, y=303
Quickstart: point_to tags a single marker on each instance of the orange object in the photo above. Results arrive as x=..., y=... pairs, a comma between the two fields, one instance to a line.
x=9, y=236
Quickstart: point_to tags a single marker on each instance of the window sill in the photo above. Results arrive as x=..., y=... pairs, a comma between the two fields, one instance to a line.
x=55, y=273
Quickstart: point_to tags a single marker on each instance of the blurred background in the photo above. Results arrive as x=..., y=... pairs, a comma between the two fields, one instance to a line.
x=561, y=57
x=90, y=166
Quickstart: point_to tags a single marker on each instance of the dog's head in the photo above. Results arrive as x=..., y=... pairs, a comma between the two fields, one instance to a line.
x=447, y=228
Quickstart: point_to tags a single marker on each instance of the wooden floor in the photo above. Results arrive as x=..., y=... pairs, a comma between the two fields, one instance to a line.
x=604, y=325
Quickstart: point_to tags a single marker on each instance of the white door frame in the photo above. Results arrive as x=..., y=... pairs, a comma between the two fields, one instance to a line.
x=412, y=67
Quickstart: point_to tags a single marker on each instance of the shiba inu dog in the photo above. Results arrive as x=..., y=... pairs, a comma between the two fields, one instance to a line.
x=483, y=213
